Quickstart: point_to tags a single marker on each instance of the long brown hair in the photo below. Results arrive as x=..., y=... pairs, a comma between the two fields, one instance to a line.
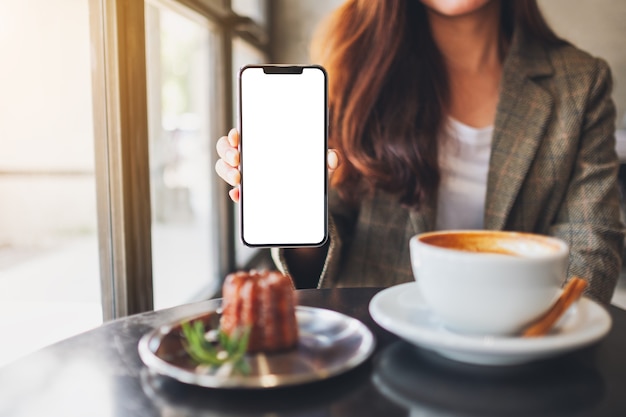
x=388, y=89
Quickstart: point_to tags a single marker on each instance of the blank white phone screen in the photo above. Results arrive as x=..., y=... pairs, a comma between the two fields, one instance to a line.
x=283, y=157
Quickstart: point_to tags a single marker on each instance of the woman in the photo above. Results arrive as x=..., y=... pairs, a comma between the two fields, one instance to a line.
x=458, y=114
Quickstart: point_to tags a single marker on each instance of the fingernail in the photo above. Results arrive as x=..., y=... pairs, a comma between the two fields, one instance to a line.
x=231, y=134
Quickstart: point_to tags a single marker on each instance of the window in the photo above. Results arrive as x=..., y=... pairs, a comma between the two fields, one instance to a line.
x=157, y=148
x=180, y=49
x=255, y=9
x=49, y=269
x=109, y=114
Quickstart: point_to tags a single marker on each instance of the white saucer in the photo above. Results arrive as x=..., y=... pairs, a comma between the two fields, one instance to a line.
x=401, y=310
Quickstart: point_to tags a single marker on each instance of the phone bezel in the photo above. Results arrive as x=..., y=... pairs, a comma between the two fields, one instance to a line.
x=281, y=69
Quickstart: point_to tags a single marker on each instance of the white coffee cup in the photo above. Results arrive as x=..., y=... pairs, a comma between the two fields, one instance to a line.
x=488, y=282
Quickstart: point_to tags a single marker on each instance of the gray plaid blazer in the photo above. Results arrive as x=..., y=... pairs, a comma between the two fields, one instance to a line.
x=553, y=171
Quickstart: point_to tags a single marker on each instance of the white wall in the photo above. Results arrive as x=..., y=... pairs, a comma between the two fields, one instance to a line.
x=293, y=24
x=599, y=27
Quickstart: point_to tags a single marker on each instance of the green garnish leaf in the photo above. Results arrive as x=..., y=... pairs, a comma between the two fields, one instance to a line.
x=227, y=349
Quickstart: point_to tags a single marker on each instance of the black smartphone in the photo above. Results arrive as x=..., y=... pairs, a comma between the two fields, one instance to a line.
x=283, y=117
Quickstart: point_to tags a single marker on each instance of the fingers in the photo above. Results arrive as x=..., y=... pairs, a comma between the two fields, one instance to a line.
x=226, y=166
x=233, y=138
x=226, y=152
x=227, y=172
x=234, y=194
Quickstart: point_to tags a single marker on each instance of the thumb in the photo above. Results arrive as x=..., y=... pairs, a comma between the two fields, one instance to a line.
x=332, y=160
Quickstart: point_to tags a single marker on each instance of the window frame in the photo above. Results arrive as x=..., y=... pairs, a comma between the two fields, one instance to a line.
x=119, y=83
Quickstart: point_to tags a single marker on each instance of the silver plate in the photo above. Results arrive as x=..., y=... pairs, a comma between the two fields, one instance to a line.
x=330, y=343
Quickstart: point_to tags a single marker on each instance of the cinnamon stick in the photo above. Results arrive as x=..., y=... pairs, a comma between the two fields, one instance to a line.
x=572, y=292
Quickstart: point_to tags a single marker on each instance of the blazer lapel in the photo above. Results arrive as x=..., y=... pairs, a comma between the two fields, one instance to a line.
x=424, y=219
x=524, y=109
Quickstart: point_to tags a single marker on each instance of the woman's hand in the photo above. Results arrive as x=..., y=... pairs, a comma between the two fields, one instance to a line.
x=227, y=167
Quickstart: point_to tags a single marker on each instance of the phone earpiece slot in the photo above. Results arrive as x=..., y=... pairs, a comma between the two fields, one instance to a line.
x=282, y=70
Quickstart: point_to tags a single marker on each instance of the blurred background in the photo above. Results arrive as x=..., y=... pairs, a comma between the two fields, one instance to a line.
x=75, y=188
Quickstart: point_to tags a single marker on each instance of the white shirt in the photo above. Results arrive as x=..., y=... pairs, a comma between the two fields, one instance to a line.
x=464, y=164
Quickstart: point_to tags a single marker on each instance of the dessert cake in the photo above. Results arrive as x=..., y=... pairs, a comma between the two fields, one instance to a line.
x=265, y=302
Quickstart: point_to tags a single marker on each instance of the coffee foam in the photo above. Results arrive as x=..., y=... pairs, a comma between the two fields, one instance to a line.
x=503, y=243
